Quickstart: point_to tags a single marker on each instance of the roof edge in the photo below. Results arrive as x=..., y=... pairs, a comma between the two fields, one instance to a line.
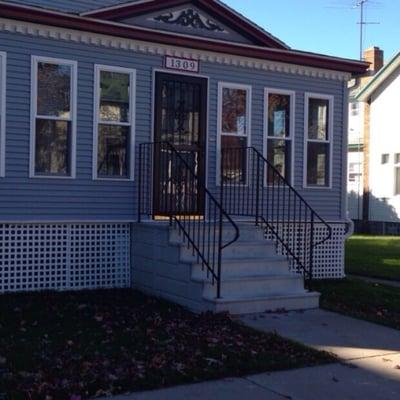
x=230, y=16
x=68, y=21
x=368, y=90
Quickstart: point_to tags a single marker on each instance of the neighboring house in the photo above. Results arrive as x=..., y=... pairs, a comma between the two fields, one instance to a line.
x=119, y=119
x=375, y=184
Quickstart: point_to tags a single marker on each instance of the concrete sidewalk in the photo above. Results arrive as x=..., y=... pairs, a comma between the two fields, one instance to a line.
x=370, y=368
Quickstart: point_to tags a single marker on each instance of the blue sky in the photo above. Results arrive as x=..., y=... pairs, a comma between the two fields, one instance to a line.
x=326, y=26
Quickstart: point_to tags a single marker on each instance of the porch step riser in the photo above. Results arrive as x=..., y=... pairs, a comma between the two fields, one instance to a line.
x=304, y=302
x=256, y=287
x=245, y=237
x=236, y=252
x=246, y=268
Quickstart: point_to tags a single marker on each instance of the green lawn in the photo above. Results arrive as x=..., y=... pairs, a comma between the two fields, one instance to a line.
x=374, y=256
x=79, y=345
x=370, y=301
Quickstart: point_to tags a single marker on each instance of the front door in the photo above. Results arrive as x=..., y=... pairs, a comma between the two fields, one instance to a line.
x=180, y=119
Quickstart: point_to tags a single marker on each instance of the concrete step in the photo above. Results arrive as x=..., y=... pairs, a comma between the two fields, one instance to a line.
x=254, y=234
x=257, y=304
x=255, y=285
x=272, y=265
x=236, y=251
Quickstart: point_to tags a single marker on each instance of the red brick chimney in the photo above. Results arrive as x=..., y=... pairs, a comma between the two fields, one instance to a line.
x=374, y=55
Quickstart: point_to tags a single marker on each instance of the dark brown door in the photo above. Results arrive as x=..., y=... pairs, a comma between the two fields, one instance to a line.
x=180, y=119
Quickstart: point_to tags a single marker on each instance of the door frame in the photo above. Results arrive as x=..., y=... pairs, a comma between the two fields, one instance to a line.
x=207, y=120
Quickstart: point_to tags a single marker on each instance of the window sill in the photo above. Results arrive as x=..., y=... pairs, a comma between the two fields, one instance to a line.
x=52, y=177
x=113, y=179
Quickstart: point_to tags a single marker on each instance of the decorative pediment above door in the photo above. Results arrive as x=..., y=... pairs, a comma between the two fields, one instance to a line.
x=205, y=18
x=190, y=18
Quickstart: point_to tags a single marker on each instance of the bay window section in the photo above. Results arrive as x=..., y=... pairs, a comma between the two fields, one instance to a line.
x=234, y=131
x=53, y=117
x=114, y=119
x=279, y=128
x=318, y=143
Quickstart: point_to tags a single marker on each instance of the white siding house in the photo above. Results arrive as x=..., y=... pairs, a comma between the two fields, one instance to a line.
x=382, y=121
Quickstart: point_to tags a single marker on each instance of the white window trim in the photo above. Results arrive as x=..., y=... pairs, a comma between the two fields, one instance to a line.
x=3, y=91
x=331, y=99
x=35, y=60
x=132, y=118
x=396, y=167
x=291, y=138
x=229, y=85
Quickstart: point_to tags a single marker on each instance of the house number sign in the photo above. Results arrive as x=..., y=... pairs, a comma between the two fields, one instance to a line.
x=182, y=64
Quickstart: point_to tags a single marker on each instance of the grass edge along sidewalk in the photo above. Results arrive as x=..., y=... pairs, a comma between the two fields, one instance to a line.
x=372, y=302
x=78, y=345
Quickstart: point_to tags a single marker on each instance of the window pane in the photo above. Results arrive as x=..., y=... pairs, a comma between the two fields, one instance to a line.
x=397, y=181
x=54, y=90
x=279, y=156
x=234, y=105
x=318, y=164
x=385, y=158
x=234, y=166
x=113, y=151
x=52, y=147
x=114, y=96
x=278, y=115
x=397, y=158
x=318, y=117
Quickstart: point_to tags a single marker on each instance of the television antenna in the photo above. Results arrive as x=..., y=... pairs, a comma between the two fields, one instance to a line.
x=361, y=5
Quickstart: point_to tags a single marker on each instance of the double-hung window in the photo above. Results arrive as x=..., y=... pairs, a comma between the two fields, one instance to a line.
x=53, y=122
x=318, y=140
x=234, y=131
x=3, y=64
x=279, y=128
x=114, y=123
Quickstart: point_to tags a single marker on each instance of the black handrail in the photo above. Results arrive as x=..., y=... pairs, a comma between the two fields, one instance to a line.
x=252, y=187
x=170, y=187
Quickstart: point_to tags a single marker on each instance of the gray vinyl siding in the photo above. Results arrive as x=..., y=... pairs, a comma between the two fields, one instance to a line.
x=33, y=199
x=70, y=6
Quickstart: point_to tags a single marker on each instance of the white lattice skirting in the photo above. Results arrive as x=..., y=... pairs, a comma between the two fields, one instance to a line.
x=64, y=256
x=329, y=256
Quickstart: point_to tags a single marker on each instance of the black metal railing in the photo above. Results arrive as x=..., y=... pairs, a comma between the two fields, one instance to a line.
x=252, y=187
x=171, y=187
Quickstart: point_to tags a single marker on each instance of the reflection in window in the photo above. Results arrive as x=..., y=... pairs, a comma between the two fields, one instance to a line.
x=54, y=90
x=114, y=96
x=318, y=113
x=113, y=154
x=318, y=141
x=234, y=166
x=279, y=133
x=234, y=105
x=233, y=126
x=53, y=117
x=114, y=122
x=318, y=164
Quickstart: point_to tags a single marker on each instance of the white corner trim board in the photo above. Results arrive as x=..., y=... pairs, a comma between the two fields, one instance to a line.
x=3, y=90
x=56, y=33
